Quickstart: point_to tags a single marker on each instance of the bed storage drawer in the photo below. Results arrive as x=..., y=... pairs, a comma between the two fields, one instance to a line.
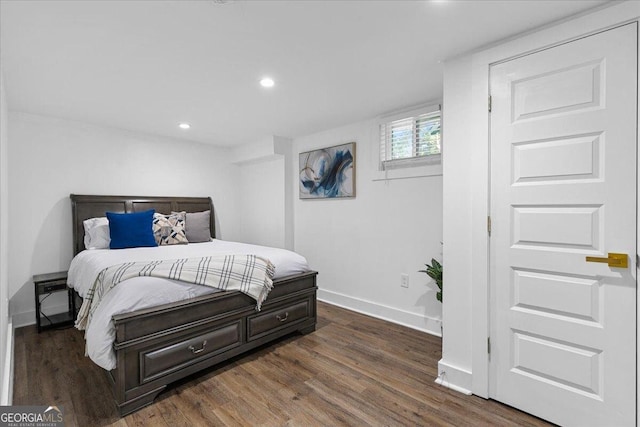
x=161, y=360
x=278, y=318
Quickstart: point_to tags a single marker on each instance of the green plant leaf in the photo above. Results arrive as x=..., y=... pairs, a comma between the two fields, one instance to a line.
x=434, y=271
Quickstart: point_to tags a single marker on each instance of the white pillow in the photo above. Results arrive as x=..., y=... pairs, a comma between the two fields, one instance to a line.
x=96, y=233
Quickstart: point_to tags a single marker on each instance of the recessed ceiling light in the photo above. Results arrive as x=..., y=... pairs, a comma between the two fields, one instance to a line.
x=267, y=82
x=184, y=125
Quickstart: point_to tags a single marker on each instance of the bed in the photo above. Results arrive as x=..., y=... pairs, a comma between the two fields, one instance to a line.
x=156, y=346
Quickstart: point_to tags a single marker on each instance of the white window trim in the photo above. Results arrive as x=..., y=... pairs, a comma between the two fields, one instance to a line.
x=412, y=167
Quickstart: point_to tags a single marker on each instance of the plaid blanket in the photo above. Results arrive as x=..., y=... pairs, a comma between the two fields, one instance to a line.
x=248, y=274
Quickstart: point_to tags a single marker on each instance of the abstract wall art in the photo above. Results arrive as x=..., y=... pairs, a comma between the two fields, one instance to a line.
x=328, y=172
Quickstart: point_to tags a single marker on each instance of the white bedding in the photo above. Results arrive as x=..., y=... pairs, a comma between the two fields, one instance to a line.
x=144, y=292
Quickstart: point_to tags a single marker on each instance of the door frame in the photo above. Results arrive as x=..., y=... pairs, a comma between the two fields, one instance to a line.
x=602, y=19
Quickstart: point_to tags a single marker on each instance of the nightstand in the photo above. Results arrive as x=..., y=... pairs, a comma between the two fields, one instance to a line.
x=45, y=285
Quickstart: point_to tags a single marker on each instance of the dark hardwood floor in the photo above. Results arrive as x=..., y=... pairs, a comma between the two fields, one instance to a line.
x=354, y=370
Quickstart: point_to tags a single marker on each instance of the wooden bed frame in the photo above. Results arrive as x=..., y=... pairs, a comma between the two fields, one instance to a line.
x=159, y=345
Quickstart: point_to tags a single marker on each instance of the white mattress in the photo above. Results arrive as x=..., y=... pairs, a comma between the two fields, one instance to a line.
x=144, y=292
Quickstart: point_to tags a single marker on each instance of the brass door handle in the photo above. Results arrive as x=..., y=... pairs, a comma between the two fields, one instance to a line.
x=612, y=259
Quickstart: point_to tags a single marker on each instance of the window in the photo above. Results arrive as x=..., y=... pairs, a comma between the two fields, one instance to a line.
x=411, y=141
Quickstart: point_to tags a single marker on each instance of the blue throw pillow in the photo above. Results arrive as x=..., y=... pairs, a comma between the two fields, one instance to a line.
x=131, y=230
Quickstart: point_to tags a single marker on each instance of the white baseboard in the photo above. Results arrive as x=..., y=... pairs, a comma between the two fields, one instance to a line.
x=24, y=319
x=6, y=395
x=453, y=377
x=29, y=317
x=405, y=318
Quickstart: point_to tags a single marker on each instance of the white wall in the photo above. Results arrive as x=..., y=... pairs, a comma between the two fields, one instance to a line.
x=265, y=211
x=262, y=202
x=5, y=335
x=361, y=246
x=466, y=171
x=457, y=226
x=51, y=158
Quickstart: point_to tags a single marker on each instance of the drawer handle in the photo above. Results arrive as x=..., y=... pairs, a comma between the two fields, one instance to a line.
x=283, y=319
x=200, y=350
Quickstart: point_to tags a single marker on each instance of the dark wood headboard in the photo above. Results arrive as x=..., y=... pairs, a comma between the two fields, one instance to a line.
x=87, y=206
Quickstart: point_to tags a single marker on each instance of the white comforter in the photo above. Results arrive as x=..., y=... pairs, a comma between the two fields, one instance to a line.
x=144, y=292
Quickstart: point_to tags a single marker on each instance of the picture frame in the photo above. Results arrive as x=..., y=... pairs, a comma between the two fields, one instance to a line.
x=328, y=173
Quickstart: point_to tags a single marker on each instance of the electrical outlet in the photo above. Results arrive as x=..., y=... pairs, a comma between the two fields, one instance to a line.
x=404, y=280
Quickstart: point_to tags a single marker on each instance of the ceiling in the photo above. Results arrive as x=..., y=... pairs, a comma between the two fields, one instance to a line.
x=148, y=65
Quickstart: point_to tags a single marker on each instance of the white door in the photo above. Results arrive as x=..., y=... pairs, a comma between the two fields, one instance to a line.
x=563, y=188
